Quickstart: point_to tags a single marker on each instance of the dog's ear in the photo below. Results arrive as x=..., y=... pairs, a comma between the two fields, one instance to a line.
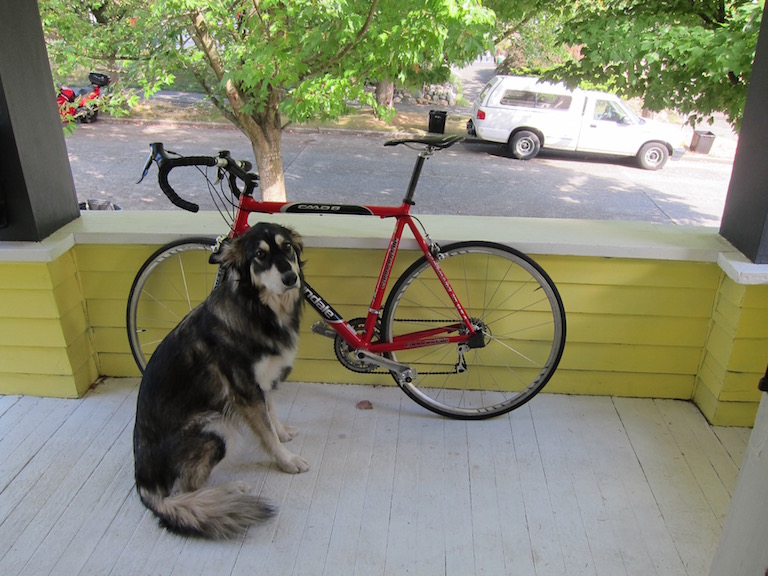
x=226, y=255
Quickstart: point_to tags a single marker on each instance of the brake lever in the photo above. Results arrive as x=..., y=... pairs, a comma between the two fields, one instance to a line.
x=147, y=165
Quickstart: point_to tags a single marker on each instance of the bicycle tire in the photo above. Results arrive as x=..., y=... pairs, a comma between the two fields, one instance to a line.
x=519, y=310
x=172, y=281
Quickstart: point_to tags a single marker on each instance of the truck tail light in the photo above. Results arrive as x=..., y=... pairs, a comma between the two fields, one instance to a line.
x=480, y=115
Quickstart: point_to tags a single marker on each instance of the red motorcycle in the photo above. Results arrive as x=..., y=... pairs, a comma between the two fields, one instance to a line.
x=82, y=104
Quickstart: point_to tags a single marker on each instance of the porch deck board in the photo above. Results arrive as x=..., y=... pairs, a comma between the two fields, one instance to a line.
x=565, y=485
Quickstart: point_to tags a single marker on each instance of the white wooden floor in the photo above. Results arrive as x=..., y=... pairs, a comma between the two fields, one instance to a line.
x=566, y=485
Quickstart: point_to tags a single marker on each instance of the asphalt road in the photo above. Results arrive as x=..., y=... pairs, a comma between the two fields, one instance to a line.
x=477, y=179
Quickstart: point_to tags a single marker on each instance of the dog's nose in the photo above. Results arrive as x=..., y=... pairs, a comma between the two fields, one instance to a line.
x=290, y=278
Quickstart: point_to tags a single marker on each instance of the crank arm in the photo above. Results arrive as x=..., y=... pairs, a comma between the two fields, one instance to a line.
x=405, y=374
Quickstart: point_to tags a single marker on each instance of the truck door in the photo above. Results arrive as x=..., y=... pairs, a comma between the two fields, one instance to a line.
x=607, y=128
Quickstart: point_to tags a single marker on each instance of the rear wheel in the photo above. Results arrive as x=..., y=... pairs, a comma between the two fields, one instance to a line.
x=524, y=145
x=514, y=305
x=174, y=280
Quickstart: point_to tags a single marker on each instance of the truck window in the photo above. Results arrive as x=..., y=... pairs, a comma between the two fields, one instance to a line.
x=530, y=99
x=488, y=87
x=607, y=110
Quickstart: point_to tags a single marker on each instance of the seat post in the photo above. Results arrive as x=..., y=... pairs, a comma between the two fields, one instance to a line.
x=424, y=154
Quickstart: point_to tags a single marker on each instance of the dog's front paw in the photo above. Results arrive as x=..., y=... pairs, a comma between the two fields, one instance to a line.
x=293, y=464
x=287, y=433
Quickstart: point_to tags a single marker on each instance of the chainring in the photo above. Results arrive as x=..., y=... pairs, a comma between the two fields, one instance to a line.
x=346, y=355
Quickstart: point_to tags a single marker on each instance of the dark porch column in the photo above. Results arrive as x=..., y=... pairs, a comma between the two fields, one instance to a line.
x=745, y=218
x=37, y=193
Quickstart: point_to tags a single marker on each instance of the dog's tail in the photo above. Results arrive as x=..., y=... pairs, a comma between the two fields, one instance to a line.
x=222, y=511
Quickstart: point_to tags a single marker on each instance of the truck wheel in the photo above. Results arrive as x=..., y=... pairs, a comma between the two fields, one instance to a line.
x=524, y=145
x=652, y=156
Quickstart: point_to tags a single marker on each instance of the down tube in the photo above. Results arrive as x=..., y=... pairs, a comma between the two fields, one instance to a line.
x=331, y=317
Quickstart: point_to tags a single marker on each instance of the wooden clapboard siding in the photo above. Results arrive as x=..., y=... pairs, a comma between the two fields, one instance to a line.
x=107, y=272
x=644, y=319
x=734, y=356
x=45, y=344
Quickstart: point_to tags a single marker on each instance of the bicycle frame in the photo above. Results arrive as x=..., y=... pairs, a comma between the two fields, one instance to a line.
x=454, y=332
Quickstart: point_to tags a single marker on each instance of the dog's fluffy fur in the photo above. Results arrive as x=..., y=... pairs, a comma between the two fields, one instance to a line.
x=218, y=366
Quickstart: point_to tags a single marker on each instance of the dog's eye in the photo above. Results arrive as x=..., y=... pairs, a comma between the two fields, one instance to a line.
x=288, y=247
x=261, y=254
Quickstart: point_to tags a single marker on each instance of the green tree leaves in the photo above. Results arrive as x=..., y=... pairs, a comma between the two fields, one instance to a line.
x=264, y=62
x=693, y=56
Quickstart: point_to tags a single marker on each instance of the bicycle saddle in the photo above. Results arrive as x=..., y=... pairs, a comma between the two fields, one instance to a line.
x=438, y=142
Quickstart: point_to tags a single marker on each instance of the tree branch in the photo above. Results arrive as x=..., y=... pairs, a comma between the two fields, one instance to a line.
x=214, y=98
x=510, y=31
x=348, y=47
x=257, y=11
x=205, y=43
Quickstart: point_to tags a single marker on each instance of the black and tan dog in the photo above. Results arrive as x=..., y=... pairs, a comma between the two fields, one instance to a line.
x=214, y=369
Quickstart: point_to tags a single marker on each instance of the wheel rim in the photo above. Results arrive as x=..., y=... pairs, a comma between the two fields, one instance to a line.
x=167, y=288
x=653, y=157
x=524, y=147
x=523, y=321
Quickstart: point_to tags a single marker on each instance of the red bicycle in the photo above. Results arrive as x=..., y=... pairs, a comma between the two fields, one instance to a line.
x=470, y=330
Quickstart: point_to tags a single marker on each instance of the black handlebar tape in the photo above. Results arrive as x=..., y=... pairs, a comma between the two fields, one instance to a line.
x=171, y=163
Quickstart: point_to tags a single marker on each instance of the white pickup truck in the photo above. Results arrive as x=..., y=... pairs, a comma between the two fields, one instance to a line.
x=529, y=114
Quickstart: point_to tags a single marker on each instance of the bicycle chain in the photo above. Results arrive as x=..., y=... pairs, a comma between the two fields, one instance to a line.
x=422, y=321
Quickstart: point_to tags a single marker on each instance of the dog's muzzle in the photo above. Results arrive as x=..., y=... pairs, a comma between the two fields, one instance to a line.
x=290, y=279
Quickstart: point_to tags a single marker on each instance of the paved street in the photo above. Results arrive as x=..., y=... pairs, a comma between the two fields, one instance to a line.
x=479, y=179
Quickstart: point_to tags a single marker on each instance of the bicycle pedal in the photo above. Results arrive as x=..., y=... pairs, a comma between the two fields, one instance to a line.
x=322, y=329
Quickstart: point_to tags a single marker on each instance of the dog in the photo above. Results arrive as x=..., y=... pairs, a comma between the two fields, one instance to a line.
x=216, y=369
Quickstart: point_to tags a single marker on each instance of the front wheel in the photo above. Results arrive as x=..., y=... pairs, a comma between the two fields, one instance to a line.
x=514, y=305
x=175, y=279
x=88, y=115
x=652, y=156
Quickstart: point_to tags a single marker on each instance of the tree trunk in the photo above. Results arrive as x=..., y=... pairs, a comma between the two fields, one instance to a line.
x=385, y=92
x=264, y=130
x=269, y=160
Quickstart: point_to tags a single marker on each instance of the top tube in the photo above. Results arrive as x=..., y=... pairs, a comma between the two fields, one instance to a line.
x=250, y=204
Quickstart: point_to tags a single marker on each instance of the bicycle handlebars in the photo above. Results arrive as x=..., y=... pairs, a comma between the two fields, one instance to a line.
x=240, y=170
x=165, y=163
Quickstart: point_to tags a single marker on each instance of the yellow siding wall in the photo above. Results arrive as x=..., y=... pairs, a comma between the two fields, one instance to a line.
x=735, y=355
x=106, y=273
x=636, y=327
x=45, y=340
